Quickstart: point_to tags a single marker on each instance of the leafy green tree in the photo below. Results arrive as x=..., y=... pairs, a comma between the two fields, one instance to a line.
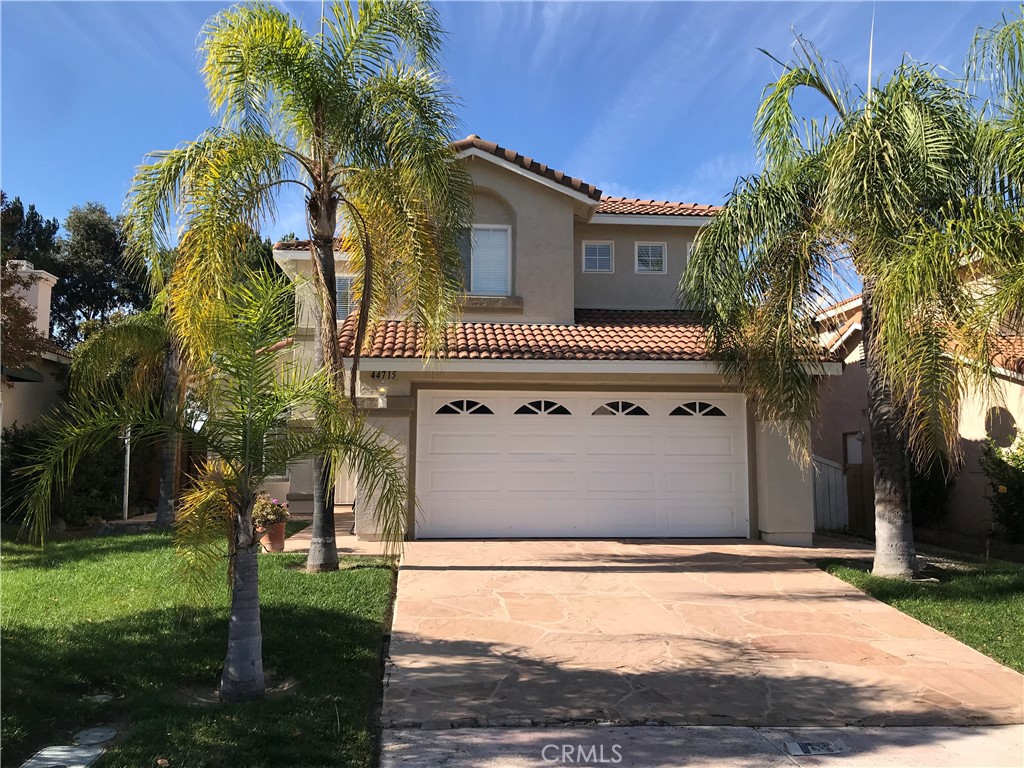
x=26, y=234
x=20, y=340
x=871, y=188
x=358, y=118
x=95, y=281
x=246, y=404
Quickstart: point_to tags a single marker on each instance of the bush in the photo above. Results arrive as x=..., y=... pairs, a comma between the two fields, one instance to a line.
x=95, y=491
x=1004, y=468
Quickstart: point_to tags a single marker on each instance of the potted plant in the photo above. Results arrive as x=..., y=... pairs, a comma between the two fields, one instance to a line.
x=269, y=517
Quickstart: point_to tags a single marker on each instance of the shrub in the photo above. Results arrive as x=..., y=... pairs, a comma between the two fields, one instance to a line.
x=95, y=491
x=1004, y=468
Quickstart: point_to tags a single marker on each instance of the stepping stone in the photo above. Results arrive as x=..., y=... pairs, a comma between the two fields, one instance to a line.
x=91, y=736
x=64, y=757
x=99, y=698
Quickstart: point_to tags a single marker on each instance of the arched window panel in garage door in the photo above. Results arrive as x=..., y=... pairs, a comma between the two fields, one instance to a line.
x=620, y=408
x=697, y=408
x=542, y=407
x=456, y=407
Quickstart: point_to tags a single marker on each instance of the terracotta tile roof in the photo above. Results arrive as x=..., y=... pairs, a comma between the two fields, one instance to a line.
x=835, y=338
x=298, y=245
x=527, y=163
x=636, y=207
x=845, y=305
x=597, y=335
x=1008, y=353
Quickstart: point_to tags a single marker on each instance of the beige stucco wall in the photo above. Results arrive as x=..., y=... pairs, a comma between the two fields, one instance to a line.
x=24, y=402
x=844, y=403
x=542, y=237
x=967, y=510
x=785, y=493
x=624, y=288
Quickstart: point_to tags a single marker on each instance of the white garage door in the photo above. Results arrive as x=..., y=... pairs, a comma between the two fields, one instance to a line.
x=580, y=464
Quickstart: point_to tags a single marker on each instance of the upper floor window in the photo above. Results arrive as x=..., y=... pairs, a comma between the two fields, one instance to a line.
x=346, y=302
x=598, y=256
x=650, y=258
x=487, y=261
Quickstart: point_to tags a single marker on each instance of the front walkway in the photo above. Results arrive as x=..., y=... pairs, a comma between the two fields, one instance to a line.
x=516, y=633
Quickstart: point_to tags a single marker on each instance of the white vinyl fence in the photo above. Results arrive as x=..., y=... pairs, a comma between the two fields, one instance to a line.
x=831, y=511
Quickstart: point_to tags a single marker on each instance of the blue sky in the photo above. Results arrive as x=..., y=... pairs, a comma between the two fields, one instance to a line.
x=641, y=99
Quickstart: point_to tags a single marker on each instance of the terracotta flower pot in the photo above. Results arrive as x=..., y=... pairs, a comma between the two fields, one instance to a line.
x=273, y=537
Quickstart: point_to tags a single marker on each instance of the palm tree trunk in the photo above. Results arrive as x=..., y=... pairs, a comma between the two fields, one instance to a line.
x=242, y=677
x=894, y=531
x=171, y=446
x=323, y=547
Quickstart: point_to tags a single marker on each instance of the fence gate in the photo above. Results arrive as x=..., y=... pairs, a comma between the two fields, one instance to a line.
x=831, y=507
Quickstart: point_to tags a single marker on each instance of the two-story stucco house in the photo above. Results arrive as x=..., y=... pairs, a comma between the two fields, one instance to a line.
x=576, y=399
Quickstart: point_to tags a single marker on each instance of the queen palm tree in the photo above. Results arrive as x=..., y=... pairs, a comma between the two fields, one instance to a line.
x=136, y=353
x=246, y=404
x=357, y=118
x=868, y=190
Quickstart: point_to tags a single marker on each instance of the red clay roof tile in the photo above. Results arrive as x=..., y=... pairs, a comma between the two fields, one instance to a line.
x=636, y=207
x=527, y=163
x=598, y=335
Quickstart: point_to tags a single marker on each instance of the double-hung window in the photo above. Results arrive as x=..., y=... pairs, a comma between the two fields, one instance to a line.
x=346, y=303
x=487, y=261
x=598, y=256
x=650, y=259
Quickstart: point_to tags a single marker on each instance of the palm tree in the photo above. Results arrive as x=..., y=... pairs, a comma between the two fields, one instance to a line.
x=136, y=353
x=357, y=118
x=246, y=404
x=868, y=190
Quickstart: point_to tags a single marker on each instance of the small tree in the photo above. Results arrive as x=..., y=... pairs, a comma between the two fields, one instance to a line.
x=20, y=340
x=250, y=406
x=1004, y=468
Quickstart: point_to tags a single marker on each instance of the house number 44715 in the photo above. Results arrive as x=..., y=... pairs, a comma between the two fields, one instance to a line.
x=383, y=375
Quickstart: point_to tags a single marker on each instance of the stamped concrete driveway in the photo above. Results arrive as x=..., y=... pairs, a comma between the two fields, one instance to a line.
x=516, y=633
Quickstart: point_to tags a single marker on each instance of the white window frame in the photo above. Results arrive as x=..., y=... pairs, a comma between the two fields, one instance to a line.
x=636, y=257
x=583, y=257
x=508, y=239
x=352, y=279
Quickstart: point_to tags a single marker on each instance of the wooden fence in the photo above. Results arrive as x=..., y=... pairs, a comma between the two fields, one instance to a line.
x=831, y=505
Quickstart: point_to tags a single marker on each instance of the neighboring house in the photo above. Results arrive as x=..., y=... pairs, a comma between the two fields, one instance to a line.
x=36, y=389
x=842, y=434
x=576, y=399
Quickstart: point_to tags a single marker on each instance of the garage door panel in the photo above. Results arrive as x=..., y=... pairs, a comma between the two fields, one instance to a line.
x=611, y=444
x=699, y=445
x=543, y=443
x=528, y=480
x=538, y=474
x=463, y=443
x=611, y=481
x=683, y=482
x=461, y=480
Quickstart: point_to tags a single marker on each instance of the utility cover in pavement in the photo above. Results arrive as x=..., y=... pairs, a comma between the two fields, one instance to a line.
x=95, y=735
x=812, y=748
x=64, y=757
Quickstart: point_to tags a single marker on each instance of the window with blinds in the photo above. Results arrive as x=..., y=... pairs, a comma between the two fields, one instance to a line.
x=346, y=304
x=489, y=267
x=597, y=257
x=650, y=258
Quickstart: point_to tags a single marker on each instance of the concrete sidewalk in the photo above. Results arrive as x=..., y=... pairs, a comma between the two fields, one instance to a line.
x=703, y=747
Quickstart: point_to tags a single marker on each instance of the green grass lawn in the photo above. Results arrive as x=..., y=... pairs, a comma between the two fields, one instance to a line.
x=294, y=526
x=980, y=605
x=107, y=615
